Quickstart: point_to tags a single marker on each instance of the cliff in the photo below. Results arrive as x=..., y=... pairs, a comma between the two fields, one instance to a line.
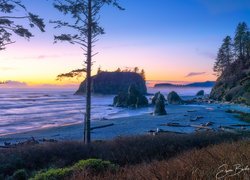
x=234, y=83
x=114, y=83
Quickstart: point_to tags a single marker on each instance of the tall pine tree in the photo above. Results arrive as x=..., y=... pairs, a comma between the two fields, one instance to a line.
x=225, y=56
x=85, y=14
x=240, y=40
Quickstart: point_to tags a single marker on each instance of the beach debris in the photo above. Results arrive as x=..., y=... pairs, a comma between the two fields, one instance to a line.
x=7, y=143
x=103, y=126
x=225, y=127
x=200, y=127
x=160, y=105
x=174, y=98
x=161, y=131
x=228, y=129
x=175, y=125
x=48, y=140
x=209, y=124
x=31, y=141
x=196, y=118
x=192, y=110
x=241, y=125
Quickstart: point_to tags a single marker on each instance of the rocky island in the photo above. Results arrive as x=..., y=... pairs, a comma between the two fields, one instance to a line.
x=114, y=83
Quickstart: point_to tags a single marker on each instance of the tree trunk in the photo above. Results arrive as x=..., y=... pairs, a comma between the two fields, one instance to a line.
x=87, y=138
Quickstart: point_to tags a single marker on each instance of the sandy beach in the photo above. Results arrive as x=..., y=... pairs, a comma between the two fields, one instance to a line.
x=184, y=115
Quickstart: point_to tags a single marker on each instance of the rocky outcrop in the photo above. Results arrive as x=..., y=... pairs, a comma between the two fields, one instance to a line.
x=134, y=98
x=156, y=96
x=174, y=98
x=159, y=105
x=114, y=83
x=234, y=84
x=200, y=93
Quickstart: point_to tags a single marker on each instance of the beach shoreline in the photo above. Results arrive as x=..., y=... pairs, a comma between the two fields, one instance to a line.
x=186, y=119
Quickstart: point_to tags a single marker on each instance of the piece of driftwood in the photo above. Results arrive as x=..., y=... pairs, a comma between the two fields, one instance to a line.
x=241, y=125
x=7, y=147
x=103, y=126
x=229, y=130
x=191, y=110
x=201, y=127
x=174, y=125
x=196, y=118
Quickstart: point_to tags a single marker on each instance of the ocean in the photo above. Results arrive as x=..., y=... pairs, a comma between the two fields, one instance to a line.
x=26, y=109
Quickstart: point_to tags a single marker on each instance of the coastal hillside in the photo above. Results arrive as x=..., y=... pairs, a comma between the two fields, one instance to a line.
x=234, y=84
x=233, y=67
x=114, y=83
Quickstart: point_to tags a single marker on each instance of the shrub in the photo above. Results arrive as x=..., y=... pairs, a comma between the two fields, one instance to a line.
x=96, y=166
x=89, y=166
x=20, y=174
x=54, y=174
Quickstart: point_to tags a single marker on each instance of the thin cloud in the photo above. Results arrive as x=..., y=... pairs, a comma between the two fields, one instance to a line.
x=40, y=57
x=191, y=74
x=206, y=54
x=13, y=84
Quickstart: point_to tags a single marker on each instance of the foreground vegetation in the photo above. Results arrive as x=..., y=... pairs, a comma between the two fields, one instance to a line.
x=126, y=153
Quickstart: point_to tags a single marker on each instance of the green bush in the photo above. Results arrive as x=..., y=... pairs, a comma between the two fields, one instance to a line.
x=54, y=174
x=20, y=174
x=92, y=166
x=96, y=166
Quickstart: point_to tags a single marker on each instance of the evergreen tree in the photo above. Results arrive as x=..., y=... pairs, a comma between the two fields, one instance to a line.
x=248, y=45
x=142, y=73
x=9, y=23
x=225, y=55
x=99, y=70
x=240, y=40
x=136, y=69
x=118, y=70
x=86, y=27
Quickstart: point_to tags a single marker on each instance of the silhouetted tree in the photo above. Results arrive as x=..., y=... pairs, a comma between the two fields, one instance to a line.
x=9, y=23
x=225, y=56
x=248, y=45
x=86, y=25
x=99, y=70
x=240, y=40
x=118, y=70
x=142, y=73
x=136, y=69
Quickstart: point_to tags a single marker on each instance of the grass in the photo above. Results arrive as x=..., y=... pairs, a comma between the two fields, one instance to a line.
x=241, y=115
x=205, y=163
x=127, y=151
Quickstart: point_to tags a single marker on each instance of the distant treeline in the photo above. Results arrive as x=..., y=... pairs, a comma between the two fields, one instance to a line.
x=234, y=51
x=127, y=69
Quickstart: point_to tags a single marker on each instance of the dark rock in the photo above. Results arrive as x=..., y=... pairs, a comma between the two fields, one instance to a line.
x=156, y=96
x=114, y=83
x=160, y=105
x=200, y=93
x=174, y=98
x=134, y=98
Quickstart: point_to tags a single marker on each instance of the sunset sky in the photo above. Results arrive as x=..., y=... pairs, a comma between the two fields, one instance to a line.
x=173, y=40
